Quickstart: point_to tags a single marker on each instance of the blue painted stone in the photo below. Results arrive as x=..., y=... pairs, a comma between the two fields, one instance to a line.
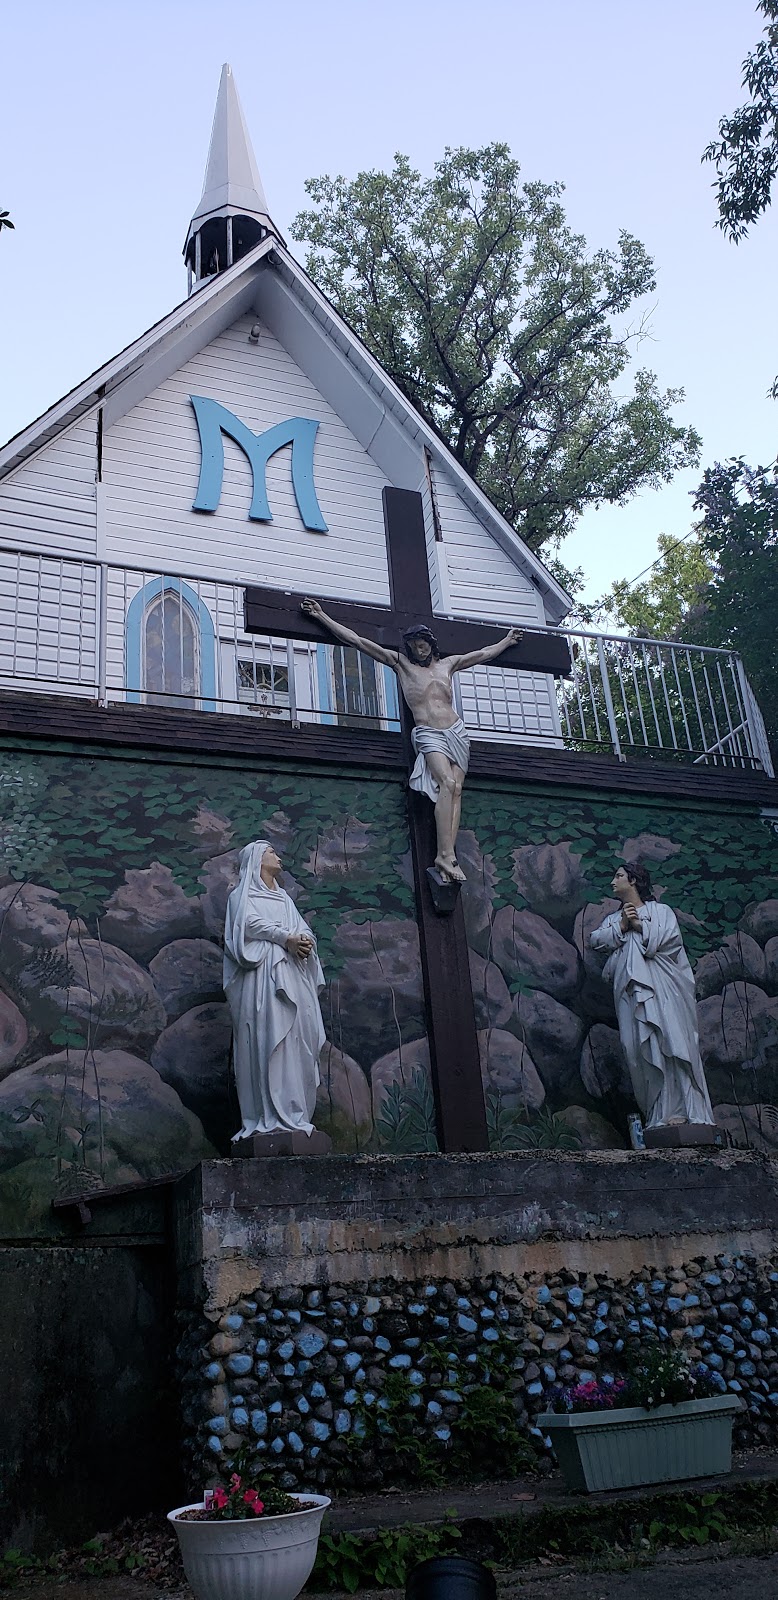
x=310, y=1341
x=233, y=1322
x=238, y=1400
x=240, y=1418
x=261, y=1318
x=691, y=1300
x=276, y=1408
x=342, y=1421
x=383, y=1403
x=287, y=1370
x=251, y=1307
x=360, y=1375
x=471, y=1359
x=740, y=1355
x=372, y=1306
x=213, y=1371
x=444, y=1434
x=416, y=1378
x=350, y=1397
x=715, y=1360
x=466, y=1324
x=451, y=1375
x=398, y=1362
x=295, y=1443
x=218, y=1424
x=713, y=1280
x=261, y=1347
x=543, y=1295
x=503, y=1314
x=737, y=1388
x=649, y=1324
x=745, y=1324
x=633, y=1326
x=593, y=1347
x=368, y=1398
x=368, y=1325
x=215, y=1445
x=491, y=1334
x=411, y=1344
x=556, y=1322
x=760, y=1336
x=351, y=1361
x=608, y=1379
x=450, y=1396
x=277, y=1445
x=599, y=1326
x=463, y=1302
x=725, y=1344
x=762, y=1320
x=262, y=1369
x=415, y=1309
x=549, y=1373
x=618, y=1345
x=698, y=1330
x=382, y=1344
x=493, y=1296
x=313, y=1298
x=338, y=1345
x=575, y=1296
x=414, y=1399
x=747, y=1306
x=486, y=1313
x=353, y=1308
x=603, y=1308
x=773, y=1397
x=318, y=1391
x=259, y=1423
x=434, y=1410
x=319, y=1430
x=302, y=1368
x=586, y=1377
x=441, y=1322
x=239, y=1365
x=430, y=1289
x=276, y=1315
x=359, y=1429
x=534, y=1388
x=674, y=1303
x=571, y=1317
x=747, y=1369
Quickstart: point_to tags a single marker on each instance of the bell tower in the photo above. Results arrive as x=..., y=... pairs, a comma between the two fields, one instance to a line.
x=232, y=216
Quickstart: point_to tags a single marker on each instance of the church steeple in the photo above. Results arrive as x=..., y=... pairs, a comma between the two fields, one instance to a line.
x=232, y=215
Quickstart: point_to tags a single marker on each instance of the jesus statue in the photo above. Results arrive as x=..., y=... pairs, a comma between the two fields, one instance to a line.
x=439, y=737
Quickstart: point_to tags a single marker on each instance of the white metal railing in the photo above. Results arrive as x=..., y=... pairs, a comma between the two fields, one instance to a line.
x=127, y=633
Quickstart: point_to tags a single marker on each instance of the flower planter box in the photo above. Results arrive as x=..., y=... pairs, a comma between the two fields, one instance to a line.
x=617, y=1449
x=262, y=1558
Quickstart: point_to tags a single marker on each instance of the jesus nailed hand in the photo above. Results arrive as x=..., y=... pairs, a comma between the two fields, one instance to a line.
x=439, y=737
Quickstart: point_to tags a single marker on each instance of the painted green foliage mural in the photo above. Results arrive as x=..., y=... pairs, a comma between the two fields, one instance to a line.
x=114, y=1035
x=539, y=871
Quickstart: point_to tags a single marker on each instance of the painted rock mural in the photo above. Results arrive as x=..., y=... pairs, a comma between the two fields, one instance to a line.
x=114, y=1032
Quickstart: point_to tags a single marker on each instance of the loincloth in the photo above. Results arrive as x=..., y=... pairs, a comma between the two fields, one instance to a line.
x=453, y=742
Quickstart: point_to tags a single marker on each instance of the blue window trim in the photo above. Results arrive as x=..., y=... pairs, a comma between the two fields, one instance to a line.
x=136, y=615
x=326, y=704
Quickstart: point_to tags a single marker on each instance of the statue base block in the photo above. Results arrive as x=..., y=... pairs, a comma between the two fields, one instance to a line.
x=444, y=891
x=282, y=1144
x=683, y=1133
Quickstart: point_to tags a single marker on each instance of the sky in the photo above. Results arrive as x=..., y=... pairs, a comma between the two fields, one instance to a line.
x=105, y=118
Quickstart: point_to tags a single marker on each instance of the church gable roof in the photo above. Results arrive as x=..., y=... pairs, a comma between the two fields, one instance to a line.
x=271, y=284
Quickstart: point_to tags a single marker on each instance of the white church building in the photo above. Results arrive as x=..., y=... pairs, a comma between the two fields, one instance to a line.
x=246, y=440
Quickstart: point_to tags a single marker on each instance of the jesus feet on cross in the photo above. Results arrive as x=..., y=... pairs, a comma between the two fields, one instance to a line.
x=439, y=736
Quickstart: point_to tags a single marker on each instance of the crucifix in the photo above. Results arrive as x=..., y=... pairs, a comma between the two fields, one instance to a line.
x=456, y=1072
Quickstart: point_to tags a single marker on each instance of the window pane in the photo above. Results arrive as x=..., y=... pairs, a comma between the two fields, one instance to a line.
x=356, y=687
x=171, y=651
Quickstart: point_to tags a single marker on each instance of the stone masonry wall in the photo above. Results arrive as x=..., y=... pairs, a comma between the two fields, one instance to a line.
x=302, y=1373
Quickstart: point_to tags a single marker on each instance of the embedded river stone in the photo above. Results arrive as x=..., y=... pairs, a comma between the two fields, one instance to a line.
x=551, y=879
x=377, y=996
x=491, y=996
x=738, y=957
x=343, y=1101
x=554, y=1036
x=193, y=1056
x=508, y=1070
x=603, y=1067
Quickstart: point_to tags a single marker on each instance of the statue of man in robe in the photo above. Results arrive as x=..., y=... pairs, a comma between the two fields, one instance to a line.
x=440, y=738
x=653, y=987
x=272, y=981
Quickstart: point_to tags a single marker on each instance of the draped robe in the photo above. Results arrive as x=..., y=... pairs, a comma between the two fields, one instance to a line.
x=273, y=998
x=653, y=989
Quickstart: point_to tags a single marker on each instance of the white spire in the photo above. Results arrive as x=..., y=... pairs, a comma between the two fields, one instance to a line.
x=232, y=189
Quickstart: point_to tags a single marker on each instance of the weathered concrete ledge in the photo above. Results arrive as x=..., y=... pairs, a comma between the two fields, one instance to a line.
x=345, y=1219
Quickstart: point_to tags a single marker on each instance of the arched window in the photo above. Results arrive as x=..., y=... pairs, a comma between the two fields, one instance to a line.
x=171, y=647
x=171, y=667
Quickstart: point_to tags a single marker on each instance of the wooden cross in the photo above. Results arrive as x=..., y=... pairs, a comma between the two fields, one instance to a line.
x=456, y=1071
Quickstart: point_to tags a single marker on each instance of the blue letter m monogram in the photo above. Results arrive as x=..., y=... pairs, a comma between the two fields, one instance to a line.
x=214, y=419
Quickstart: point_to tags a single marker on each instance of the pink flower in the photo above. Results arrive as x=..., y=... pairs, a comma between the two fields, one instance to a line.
x=234, y=1482
x=219, y=1498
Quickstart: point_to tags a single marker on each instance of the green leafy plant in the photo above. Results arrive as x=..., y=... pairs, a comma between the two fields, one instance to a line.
x=520, y=1129
x=661, y=1375
x=697, y=1522
x=348, y=1561
x=406, y=1124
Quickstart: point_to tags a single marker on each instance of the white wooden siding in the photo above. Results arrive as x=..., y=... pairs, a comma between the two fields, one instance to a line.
x=483, y=582
x=151, y=465
x=48, y=503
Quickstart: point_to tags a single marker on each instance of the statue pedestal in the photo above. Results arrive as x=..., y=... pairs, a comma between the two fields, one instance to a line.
x=681, y=1134
x=283, y=1144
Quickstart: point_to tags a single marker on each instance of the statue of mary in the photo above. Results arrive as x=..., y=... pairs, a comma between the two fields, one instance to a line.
x=272, y=979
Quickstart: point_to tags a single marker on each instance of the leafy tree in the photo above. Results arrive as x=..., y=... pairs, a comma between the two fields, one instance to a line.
x=746, y=152
x=5, y=221
x=721, y=587
x=502, y=329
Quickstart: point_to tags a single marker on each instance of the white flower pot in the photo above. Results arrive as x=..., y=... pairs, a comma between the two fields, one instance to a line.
x=261, y=1558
